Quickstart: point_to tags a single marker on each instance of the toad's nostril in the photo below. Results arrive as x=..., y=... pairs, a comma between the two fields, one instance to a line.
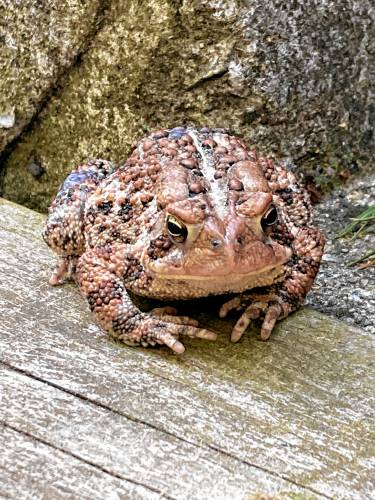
x=215, y=243
x=240, y=240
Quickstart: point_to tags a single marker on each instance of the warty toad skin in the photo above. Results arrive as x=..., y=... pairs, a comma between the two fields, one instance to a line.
x=192, y=213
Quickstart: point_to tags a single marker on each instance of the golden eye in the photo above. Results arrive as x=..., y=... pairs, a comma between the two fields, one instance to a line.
x=176, y=229
x=269, y=217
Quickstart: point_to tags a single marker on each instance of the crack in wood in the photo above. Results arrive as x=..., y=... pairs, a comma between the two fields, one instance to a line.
x=87, y=462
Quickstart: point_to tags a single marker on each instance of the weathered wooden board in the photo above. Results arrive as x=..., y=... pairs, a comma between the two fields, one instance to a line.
x=294, y=414
x=127, y=449
x=30, y=469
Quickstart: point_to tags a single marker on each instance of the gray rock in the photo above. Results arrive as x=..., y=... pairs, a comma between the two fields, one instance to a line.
x=293, y=78
x=344, y=291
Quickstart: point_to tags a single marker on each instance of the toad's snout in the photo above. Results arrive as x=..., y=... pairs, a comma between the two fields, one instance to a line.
x=235, y=245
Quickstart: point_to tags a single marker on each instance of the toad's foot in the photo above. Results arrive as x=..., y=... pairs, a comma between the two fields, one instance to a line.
x=170, y=314
x=267, y=305
x=64, y=270
x=149, y=330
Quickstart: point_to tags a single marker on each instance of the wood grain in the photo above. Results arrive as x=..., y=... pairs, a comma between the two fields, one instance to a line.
x=291, y=416
x=31, y=469
x=129, y=450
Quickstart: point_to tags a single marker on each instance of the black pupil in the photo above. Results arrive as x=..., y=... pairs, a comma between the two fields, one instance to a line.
x=176, y=230
x=270, y=218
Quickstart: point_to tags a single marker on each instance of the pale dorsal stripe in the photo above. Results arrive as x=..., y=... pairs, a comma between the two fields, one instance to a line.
x=218, y=187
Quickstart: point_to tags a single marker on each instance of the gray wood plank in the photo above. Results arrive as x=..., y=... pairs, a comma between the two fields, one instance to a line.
x=30, y=469
x=300, y=407
x=127, y=449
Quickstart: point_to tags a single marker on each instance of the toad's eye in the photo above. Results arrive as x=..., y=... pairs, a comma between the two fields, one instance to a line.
x=269, y=218
x=177, y=230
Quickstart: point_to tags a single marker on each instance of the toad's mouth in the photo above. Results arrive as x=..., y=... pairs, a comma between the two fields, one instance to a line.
x=234, y=281
x=230, y=276
x=257, y=265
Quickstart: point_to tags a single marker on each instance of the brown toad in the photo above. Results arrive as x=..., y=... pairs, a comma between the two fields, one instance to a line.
x=191, y=213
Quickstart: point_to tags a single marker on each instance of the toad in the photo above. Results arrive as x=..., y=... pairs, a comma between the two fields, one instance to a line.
x=191, y=213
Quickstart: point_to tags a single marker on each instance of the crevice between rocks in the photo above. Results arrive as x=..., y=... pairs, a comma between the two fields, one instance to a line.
x=56, y=86
x=208, y=78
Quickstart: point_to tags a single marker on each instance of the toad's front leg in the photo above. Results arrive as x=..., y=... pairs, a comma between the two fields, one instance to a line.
x=269, y=305
x=99, y=276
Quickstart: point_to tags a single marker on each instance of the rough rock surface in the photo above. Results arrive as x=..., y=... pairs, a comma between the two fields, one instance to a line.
x=347, y=292
x=38, y=41
x=293, y=78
